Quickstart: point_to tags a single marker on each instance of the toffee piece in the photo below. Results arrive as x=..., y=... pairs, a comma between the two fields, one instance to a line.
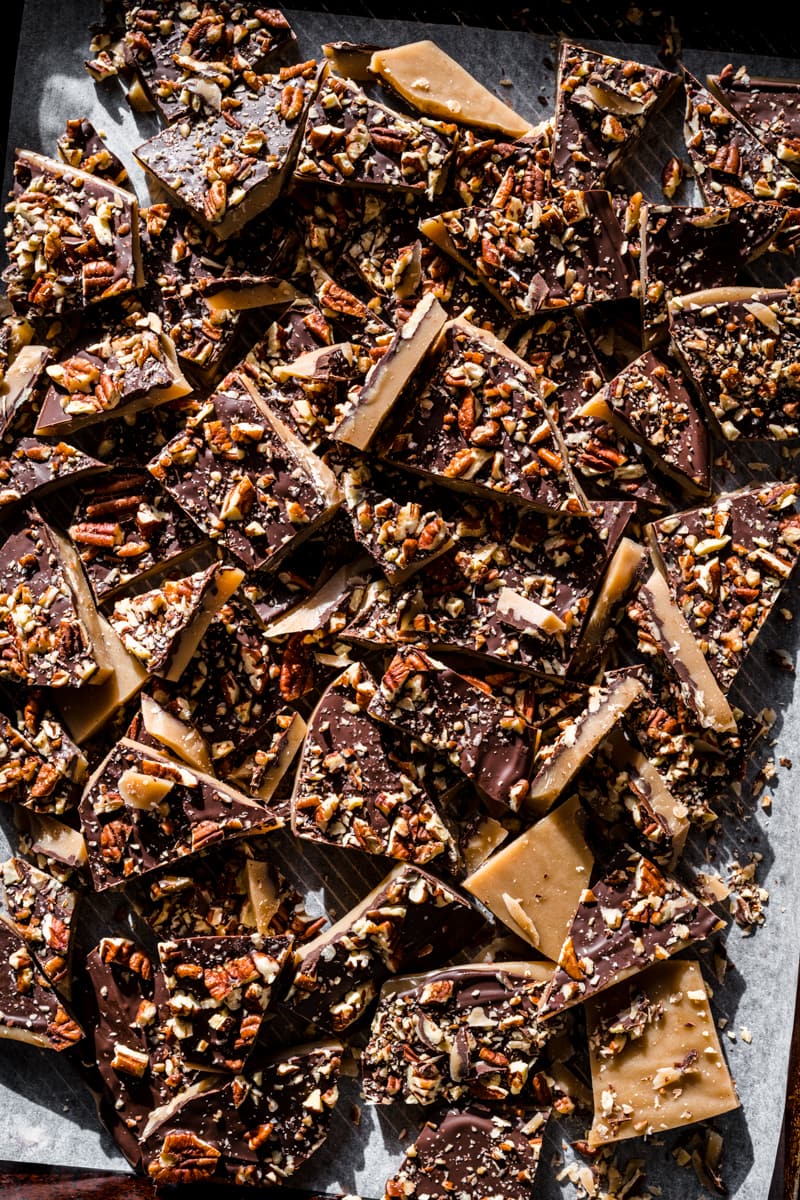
x=602, y=106
x=479, y=425
x=461, y=719
x=82, y=146
x=163, y=627
x=630, y=918
x=141, y=812
x=472, y=1154
x=726, y=564
x=409, y=920
x=72, y=239
x=34, y=468
x=358, y=785
x=42, y=909
x=20, y=390
x=740, y=348
x=218, y=992
x=111, y=373
x=30, y=1009
x=655, y=1055
x=534, y=882
x=770, y=107
x=539, y=256
x=244, y=477
x=442, y=1037
x=227, y=167
x=352, y=141
x=651, y=405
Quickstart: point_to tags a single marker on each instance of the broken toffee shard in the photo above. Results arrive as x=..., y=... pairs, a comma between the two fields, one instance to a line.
x=653, y=407
x=725, y=565
x=479, y=425
x=218, y=992
x=406, y=922
x=244, y=477
x=358, y=785
x=473, y=1154
x=534, y=882
x=461, y=719
x=602, y=106
x=655, y=1055
x=227, y=172
x=30, y=1009
x=770, y=107
x=442, y=1038
x=137, y=794
x=740, y=347
x=633, y=916
x=539, y=256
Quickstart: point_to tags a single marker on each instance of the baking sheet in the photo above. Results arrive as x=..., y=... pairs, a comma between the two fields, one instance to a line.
x=46, y=1113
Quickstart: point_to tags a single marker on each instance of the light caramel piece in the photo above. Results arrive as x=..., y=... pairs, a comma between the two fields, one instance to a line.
x=178, y=737
x=673, y=1074
x=258, y=293
x=671, y=631
x=263, y=895
x=533, y=885
x=24, y=370
x=85, y=603
x=626, y=757
x=351, y=59
x=574, y=745
x=386, y=380
x=435, y=84
x=55, y=840
x=288, y=744
x=617, y=581
x=523, y=613
x=86, y=710
x=482, y=843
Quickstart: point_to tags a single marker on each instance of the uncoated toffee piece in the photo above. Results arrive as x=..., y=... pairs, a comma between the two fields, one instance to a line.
x=444, y=1037
x=655, y=1055
x=473, y=1154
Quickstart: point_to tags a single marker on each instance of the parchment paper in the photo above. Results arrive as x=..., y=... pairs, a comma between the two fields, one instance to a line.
x=46, y=1112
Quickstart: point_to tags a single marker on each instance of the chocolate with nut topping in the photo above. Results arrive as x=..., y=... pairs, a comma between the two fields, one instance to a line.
x=257, y=1128
x=407, y=921
x=353, y=141
x=243, y=478
x=683, y=249
x=33, y=468
x=72, y=240
x=82, y=146
x=466, y=1033
x=630, y=918
x=462, y=719
x=227, y=167
x=218, y=992
x=26, y=777
x=479, y=425
x=771, y=108
x=602, y=106
x=466, y=599
x=568, y=374
x=741, y=346
x=141, y=812
x=472, y=1154
x=125, y=528
x=111, y=372
x=30, y=1010
x=553, y=254
x=44, y=641
x=236, y=891
x=42, y=910
x=188, y=57
x=732, y=165
x=163, y=627
x=726, y=564
x=485, y=165
x=394, y=519
x=653, y=406
x=358, y=785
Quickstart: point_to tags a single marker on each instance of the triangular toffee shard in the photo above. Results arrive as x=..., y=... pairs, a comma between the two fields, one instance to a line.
x=358, y=786
x=631, y=918
x=602, y=106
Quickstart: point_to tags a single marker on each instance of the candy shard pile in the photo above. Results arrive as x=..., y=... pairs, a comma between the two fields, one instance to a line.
x=332, y=517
